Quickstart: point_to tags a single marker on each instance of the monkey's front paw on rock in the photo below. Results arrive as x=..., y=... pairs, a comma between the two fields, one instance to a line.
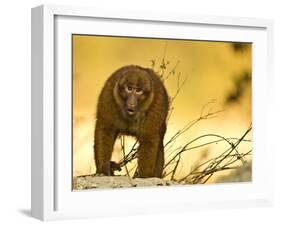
x=93, y=181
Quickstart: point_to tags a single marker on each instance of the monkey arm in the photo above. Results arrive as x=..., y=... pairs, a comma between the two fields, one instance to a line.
x=103, y=147
x=147, y=155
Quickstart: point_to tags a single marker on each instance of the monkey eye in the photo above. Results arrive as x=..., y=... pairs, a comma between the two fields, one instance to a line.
x=139, y=91
x=129, y=89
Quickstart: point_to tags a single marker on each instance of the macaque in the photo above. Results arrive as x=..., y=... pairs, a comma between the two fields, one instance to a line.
x=132, y=102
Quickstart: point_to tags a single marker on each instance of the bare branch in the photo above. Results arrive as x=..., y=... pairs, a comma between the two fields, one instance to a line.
x=123, y=150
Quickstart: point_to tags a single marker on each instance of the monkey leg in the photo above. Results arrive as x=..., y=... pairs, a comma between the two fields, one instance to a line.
x=147, y=157
x=159, y=161
x=103, y=148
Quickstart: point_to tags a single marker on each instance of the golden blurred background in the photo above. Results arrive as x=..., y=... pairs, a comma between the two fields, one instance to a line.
x=216, y=72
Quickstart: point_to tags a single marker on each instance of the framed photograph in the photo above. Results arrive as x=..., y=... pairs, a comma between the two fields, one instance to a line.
x=141, y=112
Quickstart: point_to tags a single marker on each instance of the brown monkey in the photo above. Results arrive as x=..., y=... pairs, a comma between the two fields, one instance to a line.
x=132, y=102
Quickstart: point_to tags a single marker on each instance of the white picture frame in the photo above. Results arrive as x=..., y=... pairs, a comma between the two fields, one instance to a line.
x=52, y=195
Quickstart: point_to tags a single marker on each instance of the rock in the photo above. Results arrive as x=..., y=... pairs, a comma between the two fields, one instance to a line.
x=242, y=174
x=93, y=182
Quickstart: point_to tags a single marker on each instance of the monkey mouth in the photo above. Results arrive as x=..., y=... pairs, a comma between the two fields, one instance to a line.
x=131, y=111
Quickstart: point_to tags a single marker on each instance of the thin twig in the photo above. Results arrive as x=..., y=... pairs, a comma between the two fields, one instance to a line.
x=123, y=150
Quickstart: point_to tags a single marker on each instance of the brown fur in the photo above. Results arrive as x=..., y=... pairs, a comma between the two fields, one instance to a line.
x=146, y=121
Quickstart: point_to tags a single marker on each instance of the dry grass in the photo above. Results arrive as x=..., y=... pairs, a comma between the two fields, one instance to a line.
x=205, y=168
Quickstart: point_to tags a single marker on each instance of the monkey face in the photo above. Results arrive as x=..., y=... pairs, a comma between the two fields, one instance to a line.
x=134, y=89
x=133, y=95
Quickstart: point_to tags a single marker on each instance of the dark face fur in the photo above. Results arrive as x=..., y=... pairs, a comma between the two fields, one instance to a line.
x=134, y=91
